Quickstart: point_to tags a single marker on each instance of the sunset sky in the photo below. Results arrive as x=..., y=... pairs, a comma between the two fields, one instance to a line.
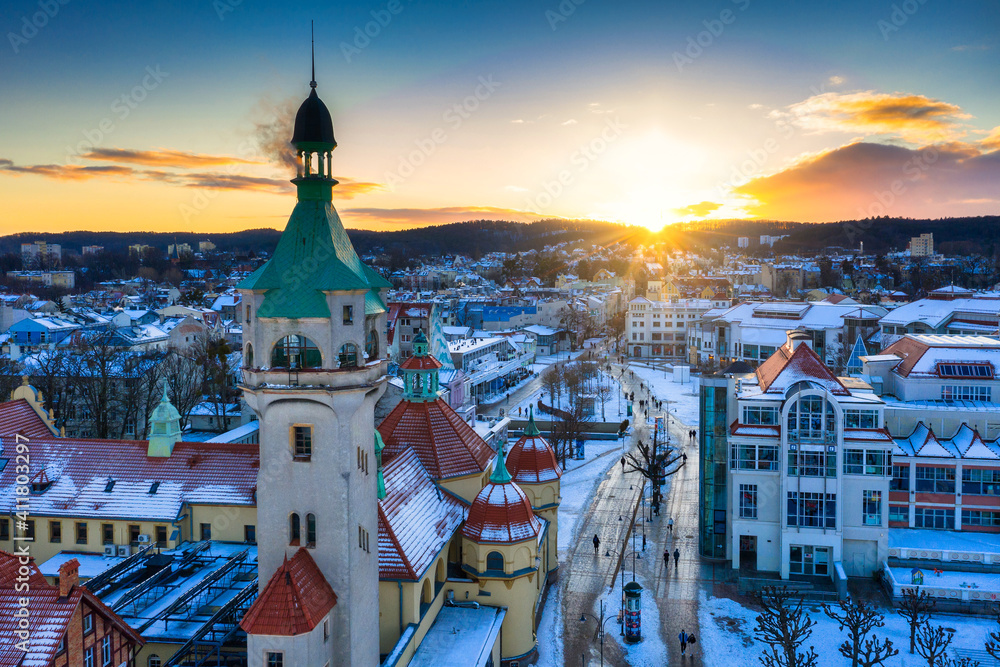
x=174, y=116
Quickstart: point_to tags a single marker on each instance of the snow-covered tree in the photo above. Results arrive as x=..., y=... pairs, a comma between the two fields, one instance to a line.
x=784, y=626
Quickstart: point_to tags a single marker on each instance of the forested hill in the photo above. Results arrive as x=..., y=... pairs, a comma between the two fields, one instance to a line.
x=477, y=237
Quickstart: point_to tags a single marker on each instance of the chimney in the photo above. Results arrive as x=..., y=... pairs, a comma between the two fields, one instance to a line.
x=69, y=576
x=797, y=337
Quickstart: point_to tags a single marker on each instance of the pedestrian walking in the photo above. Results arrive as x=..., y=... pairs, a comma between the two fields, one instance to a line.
x=685, y=457
x=623, y=465
x=670, y=525
x=683, y=636
x=656, y=508
x=677, y=557
x=666, y=558
x=597, y=543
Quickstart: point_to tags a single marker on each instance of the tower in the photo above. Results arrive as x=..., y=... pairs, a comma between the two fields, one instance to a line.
x=314, y=368
x=535, y=469
x=164, y=427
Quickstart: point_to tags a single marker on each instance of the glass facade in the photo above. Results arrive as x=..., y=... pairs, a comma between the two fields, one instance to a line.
x=713, y=463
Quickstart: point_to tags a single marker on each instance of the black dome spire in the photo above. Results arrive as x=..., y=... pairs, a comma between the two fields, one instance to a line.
x=313, y=123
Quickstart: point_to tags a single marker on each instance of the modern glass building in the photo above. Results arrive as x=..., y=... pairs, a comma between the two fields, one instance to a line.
x=713, y=472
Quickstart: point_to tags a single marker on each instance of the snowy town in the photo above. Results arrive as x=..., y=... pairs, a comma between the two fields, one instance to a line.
x=346, y=422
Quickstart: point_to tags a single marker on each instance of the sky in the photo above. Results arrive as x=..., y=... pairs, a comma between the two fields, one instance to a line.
x=175, y=116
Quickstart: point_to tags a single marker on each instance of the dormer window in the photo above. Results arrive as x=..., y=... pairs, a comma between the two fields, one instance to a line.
x=154, y=487
x=109, y=486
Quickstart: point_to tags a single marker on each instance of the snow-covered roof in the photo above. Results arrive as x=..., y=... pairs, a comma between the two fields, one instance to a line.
x=966, y=443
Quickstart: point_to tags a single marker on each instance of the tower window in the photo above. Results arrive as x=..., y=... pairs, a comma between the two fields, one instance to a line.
x=249, y=356
x=311, y=530
x=494, y=561
x=296, y=352
x=302, y=442
x=348, y=356
x=371, y=345
x=275, y=659
x=348, y=314
x=294, y=530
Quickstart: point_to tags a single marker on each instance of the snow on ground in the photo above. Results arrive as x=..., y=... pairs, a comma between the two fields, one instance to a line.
x=614, y=407
x=651, y=651
x=727, y=635
x=986, y=580
x=579, y=482
x=550, y=631
x=683, y=397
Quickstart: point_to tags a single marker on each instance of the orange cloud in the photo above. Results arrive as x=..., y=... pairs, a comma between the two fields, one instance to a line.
x=347, y=189
x=163, y=158
x=992, y=141
x=867, y=180
x=914, y=118
x=699, y=210
x=65, y=172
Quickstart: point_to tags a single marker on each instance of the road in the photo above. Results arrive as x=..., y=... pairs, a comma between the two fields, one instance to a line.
x=675, y=589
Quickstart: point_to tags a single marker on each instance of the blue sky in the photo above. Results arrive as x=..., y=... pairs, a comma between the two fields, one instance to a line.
x=815, y=78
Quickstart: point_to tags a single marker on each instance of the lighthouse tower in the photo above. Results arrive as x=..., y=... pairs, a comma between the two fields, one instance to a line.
x=314, y=367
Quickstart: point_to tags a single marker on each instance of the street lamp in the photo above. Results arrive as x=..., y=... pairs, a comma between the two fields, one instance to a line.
x=601, y=622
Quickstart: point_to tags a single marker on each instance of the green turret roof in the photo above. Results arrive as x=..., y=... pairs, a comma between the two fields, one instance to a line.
x=531, y=430
x=500, y=473
x=314, y=255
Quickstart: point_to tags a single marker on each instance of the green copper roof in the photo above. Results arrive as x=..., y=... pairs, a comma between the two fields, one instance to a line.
x=314, y=255
x=379, y=446
x=531, y=430
x=500, y=473
x=373, y=303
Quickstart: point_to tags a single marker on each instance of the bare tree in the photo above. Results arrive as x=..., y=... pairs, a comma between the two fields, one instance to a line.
x=213, y=355
x=916, y=607
x=859, y=618
x=932, y=644
x=552, y=381
x=10, y=377
x=993, y=641
x=784, y=626
x=652, y=462
x=604, y=392
x=566, y=431
x=185, y=378
x=48, y=371
x=96, y=369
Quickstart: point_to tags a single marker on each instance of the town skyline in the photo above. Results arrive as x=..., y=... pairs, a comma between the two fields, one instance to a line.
x=165, y=120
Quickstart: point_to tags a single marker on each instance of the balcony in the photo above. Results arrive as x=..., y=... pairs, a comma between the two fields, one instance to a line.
x=328, y=378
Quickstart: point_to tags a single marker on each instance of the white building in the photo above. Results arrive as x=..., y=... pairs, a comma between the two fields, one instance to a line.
x=660, y=328
x=752, y=331
x=922, y=246
x=809, y=469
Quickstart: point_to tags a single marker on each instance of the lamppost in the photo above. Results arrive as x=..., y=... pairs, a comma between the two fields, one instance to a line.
x=601, y=622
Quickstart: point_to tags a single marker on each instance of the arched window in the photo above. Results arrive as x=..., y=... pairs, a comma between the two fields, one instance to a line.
x=310, y=530
x=418, y=383
x=494, y=561
x=348, y=356
x=428, y=595
x=294, y=530
x=296, y=352
x=248, y=362
x=154, y=661
x=371, y=345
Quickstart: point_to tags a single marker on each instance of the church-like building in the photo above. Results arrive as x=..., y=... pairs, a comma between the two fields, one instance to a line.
x=405, y=544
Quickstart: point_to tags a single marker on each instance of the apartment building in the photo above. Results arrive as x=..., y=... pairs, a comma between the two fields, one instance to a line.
x=39, y=255
x=808, y=474
x=660, y=328
x=752, y=331
x=948, y=310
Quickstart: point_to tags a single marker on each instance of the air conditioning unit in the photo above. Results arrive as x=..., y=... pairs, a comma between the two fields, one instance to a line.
x=109, y=550
x=143, y=539
x=123, y=550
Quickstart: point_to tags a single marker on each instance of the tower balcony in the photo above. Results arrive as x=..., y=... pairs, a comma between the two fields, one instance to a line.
x=333, y=379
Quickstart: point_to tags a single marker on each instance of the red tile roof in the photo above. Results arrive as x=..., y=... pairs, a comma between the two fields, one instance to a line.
x=80, y=469
x=532, y=461
x=501, y=514
x=19, y=417
x=909, y=350
x=9, y=566
x=444, y=443
x=421, y=363
x=294, y=601
x=415, y=519
x=784, y=368
x=50, y=617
